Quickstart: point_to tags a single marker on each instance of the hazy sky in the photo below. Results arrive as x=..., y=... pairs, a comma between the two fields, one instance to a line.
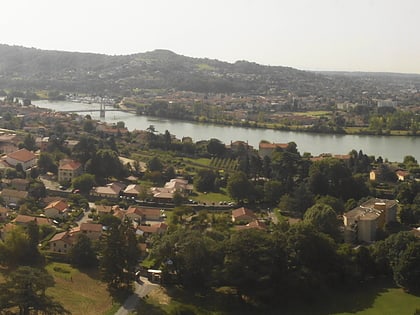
x=357, y=35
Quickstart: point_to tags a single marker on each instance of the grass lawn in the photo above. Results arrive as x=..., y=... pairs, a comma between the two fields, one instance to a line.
x=380, y=298
x=375, y=299
x=176, y=301
x=314, y=113
x=391, y=301
x=80, y=292
x=212, y=197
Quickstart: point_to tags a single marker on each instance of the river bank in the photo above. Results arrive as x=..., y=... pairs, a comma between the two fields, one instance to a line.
x=388, y=147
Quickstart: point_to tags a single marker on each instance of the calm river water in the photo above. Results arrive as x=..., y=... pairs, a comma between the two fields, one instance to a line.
x=391, y=148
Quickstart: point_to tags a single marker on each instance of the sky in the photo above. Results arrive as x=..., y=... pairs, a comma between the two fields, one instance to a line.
x=342, y=35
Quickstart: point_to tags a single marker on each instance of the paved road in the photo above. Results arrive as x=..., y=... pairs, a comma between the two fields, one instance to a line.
x=141, y=290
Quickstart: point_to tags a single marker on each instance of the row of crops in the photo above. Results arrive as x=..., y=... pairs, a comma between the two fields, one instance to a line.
x=226, y=164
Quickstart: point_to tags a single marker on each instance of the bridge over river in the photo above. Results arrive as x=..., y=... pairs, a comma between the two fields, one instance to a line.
x=102, y=109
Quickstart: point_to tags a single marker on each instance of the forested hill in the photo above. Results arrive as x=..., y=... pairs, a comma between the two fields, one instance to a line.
x=29, y=68
x=23, y=68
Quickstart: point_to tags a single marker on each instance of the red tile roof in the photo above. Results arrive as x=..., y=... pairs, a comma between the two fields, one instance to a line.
x=60, y=205
x=265, y=145
x=70, y=165
x=243, y=212
x=22, y=155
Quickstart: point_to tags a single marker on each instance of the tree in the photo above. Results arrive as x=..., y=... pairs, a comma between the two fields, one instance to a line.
x=85, y=149
x=119, y=256
x=410, y=161
x=19, y=248
x=288, y=168
x=313, y=259
x=46, y=163
x=239, y=187
x=272, y=191
x=407, y=272
x=216, y=147
x=323, y=218
x=255, y=263
x=25, y=288
x=84, y=182
x=34, y=257
x=29, y=142
x=205, y=180
x=387, y=253
x=37, y=189
x=193, y=256
x=105, y=163
x=155, y=165
x=82, y=253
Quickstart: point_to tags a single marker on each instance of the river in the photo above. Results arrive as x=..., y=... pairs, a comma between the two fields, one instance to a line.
x=393, y=148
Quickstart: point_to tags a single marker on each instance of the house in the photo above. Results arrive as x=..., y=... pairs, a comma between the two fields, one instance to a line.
x=3, y=213
x=92, y=230
x=42, y=143
x=161, y=195
x=56, y=209
x=69, y=169
x=61, y=242
x=22, y=219
x=362, y=222
x=402, y=175
x=374, y=175
x=134, y=213
x=236, y=146
x=256, y=224
x=8, y=143
x=64, y=241
x=167, y=192
x=19, y=184
x=243, y=215
x=143, y=214
x=132, y=191
x=112, y=190
x=104, y=210
x=13, y=196
x=267, y=149
x=24, y=157
x=70, y=144
x=147, y=230
x=151, y=214
x=180, y=185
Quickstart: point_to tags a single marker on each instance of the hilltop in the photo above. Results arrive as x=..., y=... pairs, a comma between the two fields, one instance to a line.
x=31, y=69
x=24, y=68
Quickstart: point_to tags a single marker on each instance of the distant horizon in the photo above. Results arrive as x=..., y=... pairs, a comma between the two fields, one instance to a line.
x=205, y=57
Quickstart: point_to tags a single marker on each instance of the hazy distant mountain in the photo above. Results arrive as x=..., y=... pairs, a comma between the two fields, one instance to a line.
x=28, y=68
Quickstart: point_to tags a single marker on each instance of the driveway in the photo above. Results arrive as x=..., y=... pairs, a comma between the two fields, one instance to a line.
x=141, y=290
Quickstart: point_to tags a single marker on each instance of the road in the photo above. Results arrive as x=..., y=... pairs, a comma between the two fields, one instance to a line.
x=141, y=290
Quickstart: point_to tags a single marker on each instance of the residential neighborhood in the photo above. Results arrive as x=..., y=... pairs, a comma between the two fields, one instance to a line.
x=104, y=207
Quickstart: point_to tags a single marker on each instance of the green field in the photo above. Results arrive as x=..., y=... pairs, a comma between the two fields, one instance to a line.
x=391, y=301
x=374, y=299
x=80, y=292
